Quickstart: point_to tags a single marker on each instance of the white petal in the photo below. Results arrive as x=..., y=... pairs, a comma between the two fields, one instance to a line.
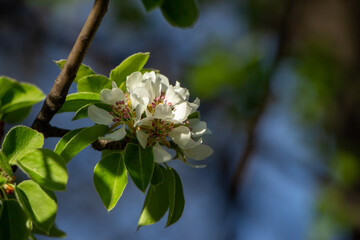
x=99, y=116
x=114, y=85
x=183, y=92
x=111, y=96
x=115, y=136
x=199, y=152
x=149, y=76
x=142, y=95
x=191, y=144
x=139, y=111
x=194, y=105
x=198, y=128
x=160, y=154
x=181, y=112
x=164, y=82
x=144, y=122
x=180, y=135
x=142, y=138
x=163, y=111
x=172, y=97
x=133, y=81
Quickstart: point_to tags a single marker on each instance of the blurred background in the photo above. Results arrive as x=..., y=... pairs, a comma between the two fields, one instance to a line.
x=279, y=83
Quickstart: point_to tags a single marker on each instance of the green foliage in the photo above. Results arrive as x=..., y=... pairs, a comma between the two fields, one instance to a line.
x=152, y=4
x=74, y=142
x=12, y=221
x=83, y=71
x=157, y=176
x=39, y=204
x=46, y=168
x=131, y=64
x=16, y=99
x=4, y=164
x=110, y=179
x=176, y=197
x=167, y=194
x=93, y=83
x=156, y=203
x=83, y=113
x=54, y=231
x=76, y=101
x=180, y=13
x=19, y=140
x=140, y=164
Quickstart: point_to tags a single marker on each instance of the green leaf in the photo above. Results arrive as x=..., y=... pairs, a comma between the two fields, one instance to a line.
x=20, y=139
x=131, y=64
x=45, y=167
x=151, y=4
x=156, y=203
x=4, y=164
x=39, y=204
x=21, y=95
x=16, y=116
x=76, y=101
x=140, y=164
x=180, y=13
x=157, y=176
x=73, y=143
x=110, y=179
x=176, y=197
x=83, y=111
x=65, y=139
x=93, y=83
x=2, y=182
x=53, y=232
x=13, y=221
x=6, y=83
x=82, y=72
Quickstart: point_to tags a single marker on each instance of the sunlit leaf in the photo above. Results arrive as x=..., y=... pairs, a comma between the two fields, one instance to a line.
x=13, y=221
x=140, y=164
x=4, y=164
x=82, y=72
x=39, y=204
x=76, y=101
x=93, y=83
x=45, y=167
x=20, y=139
x=20, y=96
x=110, y=179
x=70, y=145
x=131, y=64
x=53, y=232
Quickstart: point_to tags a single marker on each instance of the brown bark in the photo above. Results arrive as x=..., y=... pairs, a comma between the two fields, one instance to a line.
x=60, y=89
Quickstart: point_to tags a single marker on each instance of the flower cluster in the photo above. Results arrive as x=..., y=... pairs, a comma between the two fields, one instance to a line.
x=157, y=114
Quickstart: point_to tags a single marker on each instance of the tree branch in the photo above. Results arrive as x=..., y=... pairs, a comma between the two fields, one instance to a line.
x=60, y=89
x=244, y=159
x=110, y=145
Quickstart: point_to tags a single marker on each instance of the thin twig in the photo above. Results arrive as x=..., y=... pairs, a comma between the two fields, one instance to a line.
x=243, y=162
x=60, y=89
